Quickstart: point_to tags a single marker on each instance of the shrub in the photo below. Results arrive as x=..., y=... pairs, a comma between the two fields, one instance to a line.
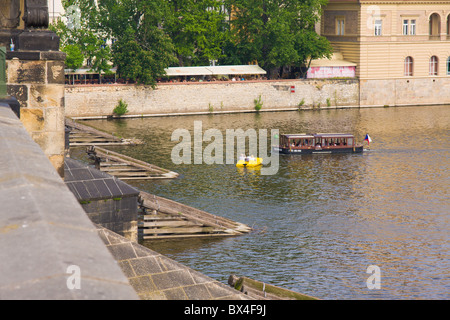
x=258, y=103
x=121, y=108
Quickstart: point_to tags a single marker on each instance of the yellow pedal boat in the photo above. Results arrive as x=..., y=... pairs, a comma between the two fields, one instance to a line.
x=249, y=162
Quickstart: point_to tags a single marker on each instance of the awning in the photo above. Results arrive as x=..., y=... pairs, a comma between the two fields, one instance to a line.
x=84, y=71
x=215, y=70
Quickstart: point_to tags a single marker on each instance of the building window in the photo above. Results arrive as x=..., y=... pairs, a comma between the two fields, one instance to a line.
x=408, y=66
x=448, y=26
x=409, y=27
x=435, y=26
x=433, y=66
x=405, y=27
x=377, y=25
x=448, y=66
x=412, y=28
x=340, y=26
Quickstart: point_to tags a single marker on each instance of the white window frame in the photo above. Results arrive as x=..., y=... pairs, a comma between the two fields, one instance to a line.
x=434, y=65
x=340, y=26
x=408, y=66
x=405, y=27
x=412, y=27
x=448, y=66
x=378, y=25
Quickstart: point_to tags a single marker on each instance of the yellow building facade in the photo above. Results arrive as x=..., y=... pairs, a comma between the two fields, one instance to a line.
x=401, y=48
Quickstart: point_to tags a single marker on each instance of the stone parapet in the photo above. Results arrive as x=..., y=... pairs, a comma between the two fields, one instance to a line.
x=45, y=235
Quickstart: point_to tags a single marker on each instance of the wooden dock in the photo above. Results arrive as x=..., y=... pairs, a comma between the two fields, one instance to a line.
x=162, y=218
x=126, y=168
x=81, y=135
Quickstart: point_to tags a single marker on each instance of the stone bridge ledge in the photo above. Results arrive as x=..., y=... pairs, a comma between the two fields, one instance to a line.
x=44, y=230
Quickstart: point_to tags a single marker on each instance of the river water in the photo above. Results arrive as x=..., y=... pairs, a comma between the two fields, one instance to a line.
x=321, y=220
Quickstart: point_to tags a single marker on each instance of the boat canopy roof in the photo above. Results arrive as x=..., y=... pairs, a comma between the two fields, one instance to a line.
x=334, y=135
x=317, y=135
x=298, y=136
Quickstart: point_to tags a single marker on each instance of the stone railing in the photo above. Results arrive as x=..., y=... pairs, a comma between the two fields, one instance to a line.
x=49, y=247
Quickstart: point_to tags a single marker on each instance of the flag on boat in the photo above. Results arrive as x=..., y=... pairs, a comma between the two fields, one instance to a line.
x=368, y=139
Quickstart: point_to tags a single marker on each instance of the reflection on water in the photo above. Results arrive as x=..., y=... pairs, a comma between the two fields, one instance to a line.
x=322, y=219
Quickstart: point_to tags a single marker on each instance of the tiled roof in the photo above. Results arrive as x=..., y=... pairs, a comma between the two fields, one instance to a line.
x=88, y=183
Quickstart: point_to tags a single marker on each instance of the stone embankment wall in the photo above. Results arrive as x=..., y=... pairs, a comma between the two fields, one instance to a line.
x=405, y=91
x=179, y=98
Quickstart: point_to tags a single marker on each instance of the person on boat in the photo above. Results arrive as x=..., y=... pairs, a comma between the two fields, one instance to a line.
x=242, y=157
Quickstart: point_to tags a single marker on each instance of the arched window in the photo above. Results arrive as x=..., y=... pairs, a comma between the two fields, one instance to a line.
x=433, y=66
x=435, y=26
x=408, y=66
x=448, y=26
x=448, y=66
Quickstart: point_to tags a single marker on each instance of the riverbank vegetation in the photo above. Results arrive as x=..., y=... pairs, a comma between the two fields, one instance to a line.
x=143, y=37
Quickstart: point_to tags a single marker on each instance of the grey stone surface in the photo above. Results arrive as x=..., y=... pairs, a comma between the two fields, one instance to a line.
x=88, y=183
x=156, y=277
x=44, y=230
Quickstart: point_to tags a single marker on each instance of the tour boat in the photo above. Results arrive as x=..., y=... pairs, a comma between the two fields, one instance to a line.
x=249, y=162
x=318, y=143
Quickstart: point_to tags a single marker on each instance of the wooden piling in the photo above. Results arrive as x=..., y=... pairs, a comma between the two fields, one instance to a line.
x=126, y=168
x=163, y=218
x=81, y=135
x=263, y=291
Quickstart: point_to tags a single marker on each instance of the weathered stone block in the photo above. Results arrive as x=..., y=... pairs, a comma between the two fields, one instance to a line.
x=20, y=92
x=32, y=119
x=55, y=72
x=45, y=95
x=52, y=143
x=20, y=71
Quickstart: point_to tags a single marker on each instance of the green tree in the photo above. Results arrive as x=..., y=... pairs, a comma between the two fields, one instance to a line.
x=74, y=56
x=82, y=30
x=197, y=29
x=141, y=49
x=276, y=33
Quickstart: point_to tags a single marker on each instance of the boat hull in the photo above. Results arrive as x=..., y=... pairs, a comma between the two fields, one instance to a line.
x=356, y=149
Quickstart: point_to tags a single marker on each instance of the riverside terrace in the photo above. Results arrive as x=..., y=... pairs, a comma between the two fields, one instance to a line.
x=45, y=237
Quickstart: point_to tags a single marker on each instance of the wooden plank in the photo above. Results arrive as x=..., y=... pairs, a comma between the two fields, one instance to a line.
x=103, y=153
x=87, y=129
x=264, y=291
x=172, y=207
x=169, y=223
x=181, y=236
x=179, y=230
x=151, y=217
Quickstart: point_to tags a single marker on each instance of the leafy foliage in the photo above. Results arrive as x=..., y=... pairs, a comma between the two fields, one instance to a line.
x=142, y=49
x=197, y=29
x=277, y=33
x=74, y=56
x=151, y=35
